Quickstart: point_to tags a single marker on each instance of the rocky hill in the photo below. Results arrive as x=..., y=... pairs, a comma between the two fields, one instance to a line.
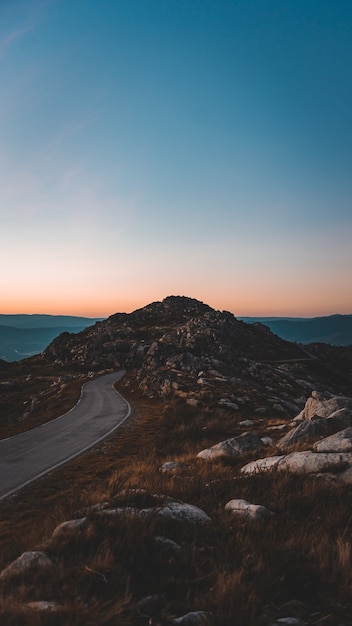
x=181, y=348
x=22, y=336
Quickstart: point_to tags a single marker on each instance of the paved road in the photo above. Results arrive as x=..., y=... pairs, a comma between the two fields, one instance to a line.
x=27, y=456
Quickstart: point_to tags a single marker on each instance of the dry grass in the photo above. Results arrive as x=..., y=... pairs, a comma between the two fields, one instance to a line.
x=296, y=563
x=51, y=404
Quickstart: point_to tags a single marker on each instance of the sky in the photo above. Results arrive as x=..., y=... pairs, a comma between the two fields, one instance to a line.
x=176, y=147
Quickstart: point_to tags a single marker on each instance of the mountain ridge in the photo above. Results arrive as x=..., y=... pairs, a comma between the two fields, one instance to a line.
x=33, y=335
x=332, y=329
x=22, y=336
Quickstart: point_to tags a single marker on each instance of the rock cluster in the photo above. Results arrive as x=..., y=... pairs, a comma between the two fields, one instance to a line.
x=324, y=453
x=167, y=515
x=325, y=457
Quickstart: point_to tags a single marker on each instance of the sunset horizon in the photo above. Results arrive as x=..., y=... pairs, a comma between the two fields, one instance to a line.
x=151, y=149
x=128, y=307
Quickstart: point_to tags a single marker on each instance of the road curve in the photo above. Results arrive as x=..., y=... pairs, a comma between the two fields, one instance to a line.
x=26, y=457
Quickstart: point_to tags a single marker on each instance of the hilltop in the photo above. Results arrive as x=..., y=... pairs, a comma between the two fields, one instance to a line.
x=178, y=348
x=22, y=336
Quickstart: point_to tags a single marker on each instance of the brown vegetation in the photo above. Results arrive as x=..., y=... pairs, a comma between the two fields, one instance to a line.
x=297, y=563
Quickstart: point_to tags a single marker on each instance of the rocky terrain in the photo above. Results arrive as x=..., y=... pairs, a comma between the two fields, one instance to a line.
x=182, y=348
x=235, y=509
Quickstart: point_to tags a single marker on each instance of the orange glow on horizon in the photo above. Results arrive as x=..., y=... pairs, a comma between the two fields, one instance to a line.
x=104, y=308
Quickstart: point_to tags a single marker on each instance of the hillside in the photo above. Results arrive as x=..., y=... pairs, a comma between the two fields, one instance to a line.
x=214, y=504
x=22, y=336
x=333, y=329
x=179, y=348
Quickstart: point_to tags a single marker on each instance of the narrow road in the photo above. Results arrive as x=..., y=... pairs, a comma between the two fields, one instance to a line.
x=27, y=456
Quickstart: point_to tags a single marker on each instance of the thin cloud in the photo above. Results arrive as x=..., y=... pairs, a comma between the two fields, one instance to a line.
x=9, y=39
x=19, y=31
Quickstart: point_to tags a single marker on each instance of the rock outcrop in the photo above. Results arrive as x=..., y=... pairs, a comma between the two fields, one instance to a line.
x=319, y=418
x=318, y=405
x=233, y=448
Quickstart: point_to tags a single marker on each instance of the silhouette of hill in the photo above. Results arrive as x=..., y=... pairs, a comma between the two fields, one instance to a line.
x=22, y=336
x=333, y=329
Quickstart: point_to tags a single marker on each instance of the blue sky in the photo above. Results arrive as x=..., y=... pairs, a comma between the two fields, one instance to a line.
x=157, y=147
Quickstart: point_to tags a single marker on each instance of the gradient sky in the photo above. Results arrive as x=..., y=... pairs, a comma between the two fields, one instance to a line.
x=185, y=147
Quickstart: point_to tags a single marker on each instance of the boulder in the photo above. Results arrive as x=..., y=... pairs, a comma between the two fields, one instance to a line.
x=173, y=467
x=229, y=404
x=232, y=448
x=267, y=441
x=320, y=406
x=170, y=511
x=313, y=462
x=316, y=428
x=247, y=510
x=262, y=465
x=42, y=605
x=166, y=546
x=28, y=561
x=179, y=512
x=339, y=442
x=195, y=618
x=307, y=462
x=66, y=528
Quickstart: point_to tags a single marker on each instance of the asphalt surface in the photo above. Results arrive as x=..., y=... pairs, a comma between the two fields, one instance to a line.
x=26, y=457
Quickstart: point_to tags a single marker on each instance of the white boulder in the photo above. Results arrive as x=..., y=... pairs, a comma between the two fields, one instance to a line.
x=247, y=510
x=306, y=462
x=262, y=465
x=309, y=462
x=339, y=442
x=319, y=406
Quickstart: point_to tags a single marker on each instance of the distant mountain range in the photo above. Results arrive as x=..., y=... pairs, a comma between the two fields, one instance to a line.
x=333, y=329
x=22, y=336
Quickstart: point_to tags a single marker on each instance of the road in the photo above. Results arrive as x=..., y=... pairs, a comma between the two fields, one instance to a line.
x=26, y=457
